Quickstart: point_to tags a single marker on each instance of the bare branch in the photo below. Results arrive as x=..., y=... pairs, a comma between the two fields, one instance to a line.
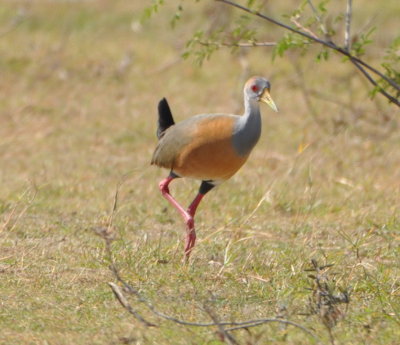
x=237, y=325
x=263, y=321
x=107, y=234
x=347, y=38
x=229, y=337
x=299, y=26
x=124, y=302
x=238, y=44
x=327, y=43
x=323, y=301
x=321, y=24
x=130, y=289
x=373, y=82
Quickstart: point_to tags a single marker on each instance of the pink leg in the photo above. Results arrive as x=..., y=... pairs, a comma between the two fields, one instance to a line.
x=193, y=206
x=163, y=185
x=191, y=238
x=187, y=216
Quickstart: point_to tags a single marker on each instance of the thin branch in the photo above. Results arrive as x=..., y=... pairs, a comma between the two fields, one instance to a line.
x=107, y=234
x=372, y=69
x=237, y=325
x=124, y=302
x=239, y=44
x=276, y=22
x=299, y=26
x=321, y=24
x=229, y=337
x=347, y=36
x=331, y=45
x=373, y=82
x=130, y=289
x=263, y=321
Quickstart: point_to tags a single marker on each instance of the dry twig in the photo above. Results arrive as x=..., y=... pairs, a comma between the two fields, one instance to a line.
x=124, y=302
x=107, y=234
x=324, y=302
x=222, y=331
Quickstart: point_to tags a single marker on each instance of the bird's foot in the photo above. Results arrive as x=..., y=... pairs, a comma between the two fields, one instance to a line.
x=190, y=237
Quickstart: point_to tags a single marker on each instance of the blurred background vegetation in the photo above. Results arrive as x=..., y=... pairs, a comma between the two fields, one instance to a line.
x=80, y=81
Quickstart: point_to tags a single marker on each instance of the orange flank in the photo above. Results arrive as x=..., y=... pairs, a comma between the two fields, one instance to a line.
x=210, y=154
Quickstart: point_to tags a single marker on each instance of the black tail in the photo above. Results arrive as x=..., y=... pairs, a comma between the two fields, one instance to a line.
x=165, y=119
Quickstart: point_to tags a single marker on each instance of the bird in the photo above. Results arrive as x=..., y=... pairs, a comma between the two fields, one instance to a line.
x=208, y=147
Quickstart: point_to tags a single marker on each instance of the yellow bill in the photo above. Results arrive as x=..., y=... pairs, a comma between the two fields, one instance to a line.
x=266, y=98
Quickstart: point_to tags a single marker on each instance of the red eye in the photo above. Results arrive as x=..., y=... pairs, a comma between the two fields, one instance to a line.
x=255, y=88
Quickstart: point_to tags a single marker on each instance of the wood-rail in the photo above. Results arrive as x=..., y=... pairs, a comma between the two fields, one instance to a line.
x=208, y=147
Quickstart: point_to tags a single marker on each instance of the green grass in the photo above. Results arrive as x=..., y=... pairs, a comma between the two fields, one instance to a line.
x=75, y=125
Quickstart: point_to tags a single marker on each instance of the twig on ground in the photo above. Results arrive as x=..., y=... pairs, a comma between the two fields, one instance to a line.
x=107, y=234
x=324, y=302
x=124, y=302
x=237, y=325
x=223, y=332
x=272, y=320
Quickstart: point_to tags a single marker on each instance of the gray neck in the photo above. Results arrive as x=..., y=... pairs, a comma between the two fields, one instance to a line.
x=247, y=129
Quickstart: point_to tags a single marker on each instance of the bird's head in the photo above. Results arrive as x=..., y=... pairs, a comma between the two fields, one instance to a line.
x=258, y=89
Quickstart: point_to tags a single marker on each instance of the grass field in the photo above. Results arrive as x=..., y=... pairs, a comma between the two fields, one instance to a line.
x=80, y=82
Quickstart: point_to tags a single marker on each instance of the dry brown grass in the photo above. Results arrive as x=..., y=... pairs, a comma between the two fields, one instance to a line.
x=75, y=123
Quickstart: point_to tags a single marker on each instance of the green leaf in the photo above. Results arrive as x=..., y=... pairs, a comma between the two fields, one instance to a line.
x=323, y=55
x=322, y=6
x=185, y=55
x=250, y=3
x=177, y=16
x=358, y=47
x=152, y=9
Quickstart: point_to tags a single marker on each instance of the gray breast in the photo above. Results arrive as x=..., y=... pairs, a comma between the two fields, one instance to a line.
x=246, y=133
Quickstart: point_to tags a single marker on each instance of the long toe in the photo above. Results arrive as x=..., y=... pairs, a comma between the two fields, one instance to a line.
x=190, y=241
